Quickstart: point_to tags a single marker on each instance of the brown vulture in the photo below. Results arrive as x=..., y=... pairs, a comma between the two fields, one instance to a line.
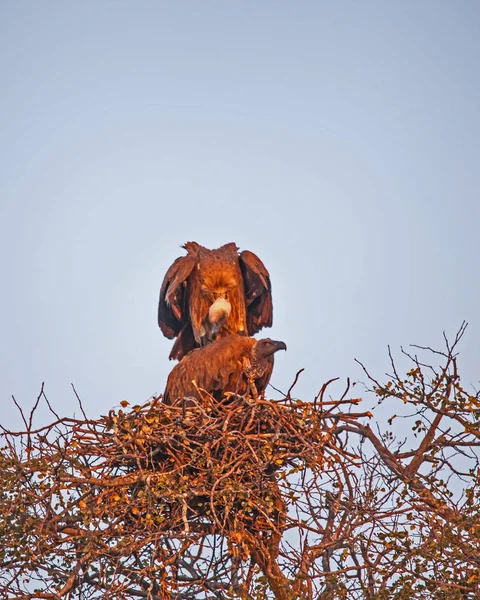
x=234, y=363
x=213, y=293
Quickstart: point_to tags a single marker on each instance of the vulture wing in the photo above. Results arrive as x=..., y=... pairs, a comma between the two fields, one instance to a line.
x=173, y=304
x=184, y=343
x=264, y=380
x=258, y=292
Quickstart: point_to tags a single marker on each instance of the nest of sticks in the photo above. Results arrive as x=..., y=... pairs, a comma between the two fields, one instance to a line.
x=158, y=472
x=209, y=466
x=193, y=475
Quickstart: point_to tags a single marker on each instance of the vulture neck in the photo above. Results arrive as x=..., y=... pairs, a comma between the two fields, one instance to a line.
x=259, y=363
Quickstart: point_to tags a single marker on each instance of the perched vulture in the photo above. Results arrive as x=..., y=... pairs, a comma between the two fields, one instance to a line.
x=213, y=293
x=234, y=363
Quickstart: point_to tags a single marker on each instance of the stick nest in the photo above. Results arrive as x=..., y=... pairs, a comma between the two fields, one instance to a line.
x=183, y=471
x=209, y=464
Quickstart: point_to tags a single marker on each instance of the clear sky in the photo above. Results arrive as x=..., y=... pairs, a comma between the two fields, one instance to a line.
x=337, y=140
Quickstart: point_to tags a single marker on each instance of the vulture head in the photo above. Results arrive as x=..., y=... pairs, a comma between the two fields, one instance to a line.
x=266, y=347
x=218, y=314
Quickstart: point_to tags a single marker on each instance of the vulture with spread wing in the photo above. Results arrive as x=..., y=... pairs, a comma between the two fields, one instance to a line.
x=235, y=363
x=209, y=294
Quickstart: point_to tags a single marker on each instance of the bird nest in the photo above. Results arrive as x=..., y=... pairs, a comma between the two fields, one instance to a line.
x=171, y=477
x=158, y=472
x=204, y=466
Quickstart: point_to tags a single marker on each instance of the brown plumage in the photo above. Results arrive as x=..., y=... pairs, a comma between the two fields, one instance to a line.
x=213, y=293
x=235, y=363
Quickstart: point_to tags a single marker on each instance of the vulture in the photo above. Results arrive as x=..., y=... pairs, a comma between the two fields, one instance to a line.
x=209, y=294
x=235, y=363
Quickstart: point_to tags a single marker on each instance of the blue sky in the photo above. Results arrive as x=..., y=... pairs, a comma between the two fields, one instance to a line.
x=337, y=140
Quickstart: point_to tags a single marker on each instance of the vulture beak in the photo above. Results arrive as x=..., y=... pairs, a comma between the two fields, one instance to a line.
x=279, y=346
